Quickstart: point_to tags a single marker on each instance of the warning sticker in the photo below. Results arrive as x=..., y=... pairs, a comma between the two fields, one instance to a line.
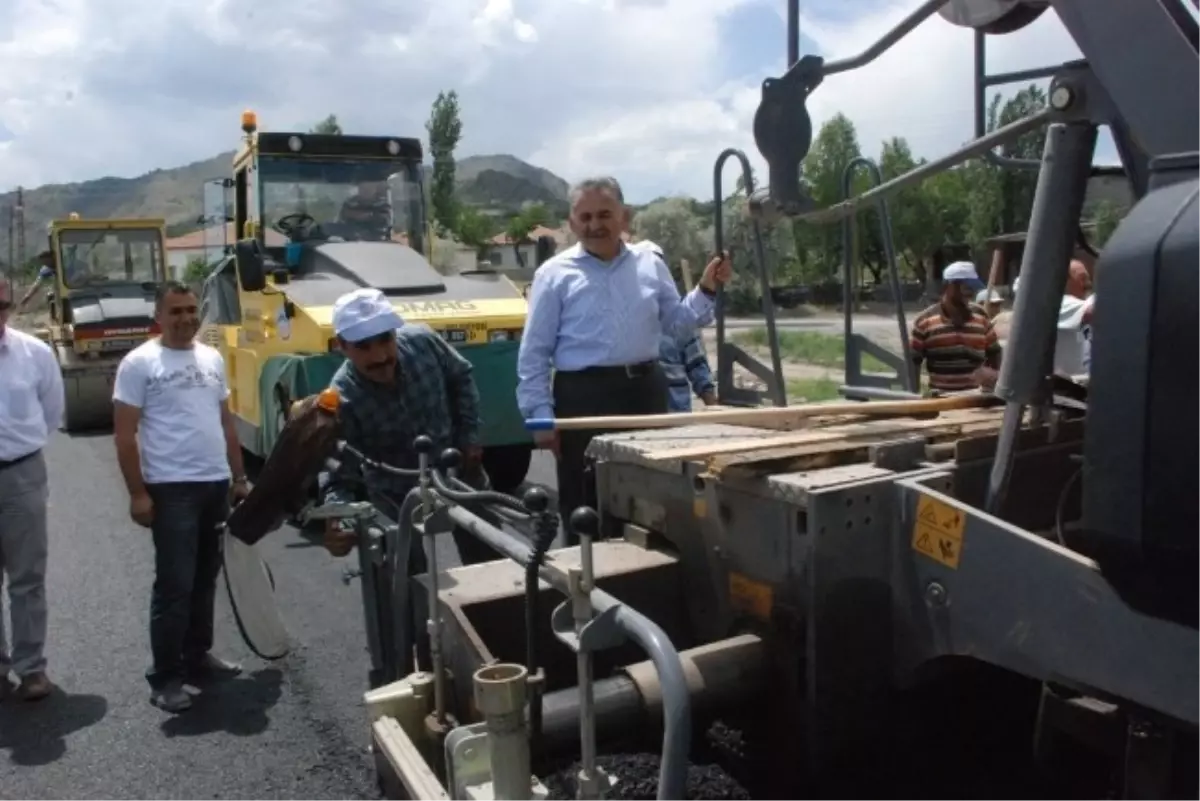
x=938, y=531
x=750, y=597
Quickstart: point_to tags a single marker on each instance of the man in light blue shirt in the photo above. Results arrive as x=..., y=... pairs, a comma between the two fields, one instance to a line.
x=597, y=314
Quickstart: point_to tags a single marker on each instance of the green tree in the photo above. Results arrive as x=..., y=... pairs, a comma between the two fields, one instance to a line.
x=474, y=229
x=833, y=148
x=917, y=227
x=329, y=125
x=674, y=227
x=196, y=270
x=1107, y=216
x=445, y=131
x=522, y=224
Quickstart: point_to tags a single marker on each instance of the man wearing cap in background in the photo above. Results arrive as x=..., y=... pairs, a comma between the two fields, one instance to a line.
x=955, y=338
x=399, y=382
x=31, y=408
x=683, y=360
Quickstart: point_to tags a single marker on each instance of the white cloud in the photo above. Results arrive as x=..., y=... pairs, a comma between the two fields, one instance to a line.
x=642, y=89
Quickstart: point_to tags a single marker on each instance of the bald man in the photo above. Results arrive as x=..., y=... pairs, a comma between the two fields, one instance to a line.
x=1073, y=351
x=1073, y=347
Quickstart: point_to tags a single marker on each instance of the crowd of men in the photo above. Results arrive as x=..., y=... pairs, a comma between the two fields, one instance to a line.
x=607, y=333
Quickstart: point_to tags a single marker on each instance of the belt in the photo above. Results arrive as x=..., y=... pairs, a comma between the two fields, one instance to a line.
x=4, y=464
x=636, y=370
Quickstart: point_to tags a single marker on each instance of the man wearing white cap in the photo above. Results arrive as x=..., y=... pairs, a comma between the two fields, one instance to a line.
x=399, y=382
x=955, y=338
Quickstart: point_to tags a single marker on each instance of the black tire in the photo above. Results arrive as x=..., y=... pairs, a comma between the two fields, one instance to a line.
x=507, y=466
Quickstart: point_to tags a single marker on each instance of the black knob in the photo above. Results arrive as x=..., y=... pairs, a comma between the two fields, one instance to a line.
x=536, y=500
x=423, y=444
x=451, y=459
x=585, y=522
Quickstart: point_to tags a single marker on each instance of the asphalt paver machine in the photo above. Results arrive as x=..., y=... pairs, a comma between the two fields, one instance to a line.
x=981, y=602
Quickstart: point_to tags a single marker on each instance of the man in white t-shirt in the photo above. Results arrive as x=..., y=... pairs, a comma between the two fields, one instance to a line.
x=182, y=462
x=1073, y=347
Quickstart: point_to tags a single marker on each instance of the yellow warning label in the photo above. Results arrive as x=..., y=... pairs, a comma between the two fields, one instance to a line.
x=938, y=531
x=750, y=597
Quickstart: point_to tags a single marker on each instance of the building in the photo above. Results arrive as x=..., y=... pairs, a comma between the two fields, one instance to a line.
x=503, y=255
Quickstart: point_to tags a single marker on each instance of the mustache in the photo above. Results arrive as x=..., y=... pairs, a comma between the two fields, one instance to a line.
x=592, y=233
x=379, y=365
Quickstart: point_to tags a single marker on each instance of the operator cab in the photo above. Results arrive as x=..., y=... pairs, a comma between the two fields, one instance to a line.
x=296, y=192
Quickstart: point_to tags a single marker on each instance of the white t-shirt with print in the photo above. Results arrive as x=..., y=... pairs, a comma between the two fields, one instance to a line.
x=180, y=393
x=1073, y=350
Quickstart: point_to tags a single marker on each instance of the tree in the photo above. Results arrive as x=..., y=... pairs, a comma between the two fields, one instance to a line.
x=474, y=229
x=916, y=225
x=445, y=130
x=671, y=225
x=522, y=224
x=329, y=125
x=1107, y=217
x=196, y=270
x=833, y=148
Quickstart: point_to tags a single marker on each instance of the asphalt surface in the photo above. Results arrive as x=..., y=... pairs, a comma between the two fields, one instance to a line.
x=294, y=728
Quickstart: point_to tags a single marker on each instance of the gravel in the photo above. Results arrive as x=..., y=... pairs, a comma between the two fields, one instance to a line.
x=637, y=777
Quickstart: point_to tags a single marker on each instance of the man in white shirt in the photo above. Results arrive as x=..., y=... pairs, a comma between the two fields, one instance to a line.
x=182, y=462
x=31, y=407
x=1073, y=347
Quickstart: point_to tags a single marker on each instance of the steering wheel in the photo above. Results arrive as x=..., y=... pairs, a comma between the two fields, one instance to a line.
x=295, y=226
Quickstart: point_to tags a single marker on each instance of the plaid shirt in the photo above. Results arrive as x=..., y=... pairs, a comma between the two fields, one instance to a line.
x=686, y=368
x=434, y=394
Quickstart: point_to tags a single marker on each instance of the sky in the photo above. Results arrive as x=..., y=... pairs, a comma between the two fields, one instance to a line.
x=649, y=91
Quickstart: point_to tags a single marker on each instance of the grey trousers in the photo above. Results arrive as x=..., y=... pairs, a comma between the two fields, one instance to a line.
x=24, y=492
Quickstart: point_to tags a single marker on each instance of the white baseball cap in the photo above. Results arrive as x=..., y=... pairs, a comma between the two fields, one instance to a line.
x=962, y=271
x=986, y=296
x=362, y=314
x=649, y=247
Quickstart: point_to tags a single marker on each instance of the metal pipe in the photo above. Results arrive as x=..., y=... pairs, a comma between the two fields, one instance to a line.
x=720, y=676
x=433, y=623
x=982, y=82
x=906, y=26
x=889, y=253
x=1057, y=203
x=997, y=137
x=676, y=703
x=581, y=609
x=793, y=32
x=875, y=393
x=500, y=698
x=505, y=544
x=399, y=551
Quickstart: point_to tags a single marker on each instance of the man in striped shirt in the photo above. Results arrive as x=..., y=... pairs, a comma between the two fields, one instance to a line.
x=955, y=337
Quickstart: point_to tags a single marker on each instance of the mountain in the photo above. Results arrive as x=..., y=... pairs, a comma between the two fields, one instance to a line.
x=500, y=184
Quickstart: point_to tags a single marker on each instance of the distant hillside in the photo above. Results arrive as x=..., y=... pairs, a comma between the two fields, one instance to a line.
x=500, y=183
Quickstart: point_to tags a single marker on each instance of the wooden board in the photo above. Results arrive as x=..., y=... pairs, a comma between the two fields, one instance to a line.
x=752, y=417
x=873, y=429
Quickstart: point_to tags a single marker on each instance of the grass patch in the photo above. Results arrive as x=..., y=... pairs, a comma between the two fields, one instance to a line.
x=812, y=390
x=809, y=347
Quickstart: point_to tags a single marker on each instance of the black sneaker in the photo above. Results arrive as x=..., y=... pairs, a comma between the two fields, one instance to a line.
x=172, y=698
x=212, y=668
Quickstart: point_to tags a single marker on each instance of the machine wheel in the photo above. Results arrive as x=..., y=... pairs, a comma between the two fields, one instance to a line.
x=507, y=466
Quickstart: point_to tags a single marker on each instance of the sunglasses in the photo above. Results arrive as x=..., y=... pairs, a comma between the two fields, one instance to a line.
x=370, y=342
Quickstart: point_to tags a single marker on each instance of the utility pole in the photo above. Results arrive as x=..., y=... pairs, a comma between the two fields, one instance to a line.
x=19, y=224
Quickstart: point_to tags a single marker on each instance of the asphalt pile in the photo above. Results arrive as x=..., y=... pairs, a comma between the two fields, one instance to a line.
x=636, y=777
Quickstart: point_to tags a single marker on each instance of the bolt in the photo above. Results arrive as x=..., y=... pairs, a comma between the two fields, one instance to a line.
x=1061, y=97
x=935, y=594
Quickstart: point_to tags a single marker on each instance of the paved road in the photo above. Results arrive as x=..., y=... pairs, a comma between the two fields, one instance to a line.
x=290, y=729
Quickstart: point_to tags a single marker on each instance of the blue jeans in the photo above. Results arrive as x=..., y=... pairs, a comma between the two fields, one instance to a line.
x=187, y=527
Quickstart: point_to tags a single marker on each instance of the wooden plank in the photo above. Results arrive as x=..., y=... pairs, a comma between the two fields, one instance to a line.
x=829, y=434
x=828, y=454
x=405, y=760
x=752, y=417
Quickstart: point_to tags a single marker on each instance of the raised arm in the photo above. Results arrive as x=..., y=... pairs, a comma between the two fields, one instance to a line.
x=680, y=317
x=534, y=361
